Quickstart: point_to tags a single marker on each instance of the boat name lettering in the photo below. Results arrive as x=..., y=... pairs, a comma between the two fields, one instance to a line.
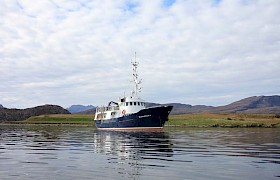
x=145, y=116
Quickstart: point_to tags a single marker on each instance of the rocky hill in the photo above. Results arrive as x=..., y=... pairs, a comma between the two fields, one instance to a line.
x=22, y=114
x=79, y=108
x=1, y=106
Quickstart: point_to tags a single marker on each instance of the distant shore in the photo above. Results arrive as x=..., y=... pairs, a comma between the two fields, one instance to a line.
x=225, y=120
x=182, y=120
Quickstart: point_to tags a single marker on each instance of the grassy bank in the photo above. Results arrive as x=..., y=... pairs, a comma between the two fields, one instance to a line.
x=224, y=120
x=183, y=120
x=75, y=119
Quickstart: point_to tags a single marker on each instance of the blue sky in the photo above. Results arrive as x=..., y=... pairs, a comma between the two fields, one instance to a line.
x=216, y=1
x=168, y=3
x=210, y=52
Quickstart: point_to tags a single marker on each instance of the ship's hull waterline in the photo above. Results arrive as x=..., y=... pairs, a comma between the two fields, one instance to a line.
x=152, y=118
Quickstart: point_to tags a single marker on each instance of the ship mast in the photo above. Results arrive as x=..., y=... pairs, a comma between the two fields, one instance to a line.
x=137, y=82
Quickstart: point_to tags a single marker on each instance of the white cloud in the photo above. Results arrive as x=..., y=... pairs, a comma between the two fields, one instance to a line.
x=197, y=52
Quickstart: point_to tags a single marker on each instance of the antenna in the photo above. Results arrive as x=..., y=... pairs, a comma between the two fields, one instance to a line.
x=136, y=81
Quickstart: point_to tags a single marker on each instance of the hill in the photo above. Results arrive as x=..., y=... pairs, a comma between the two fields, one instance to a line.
x=255, y=104
x=250, y=105
x=89, y=111
x=179, y=108
x=21, y=114
x=1, y=106
x=79, y=108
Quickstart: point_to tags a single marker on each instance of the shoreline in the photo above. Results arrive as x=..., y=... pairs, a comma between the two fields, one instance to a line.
x=165, y=126
x=175, y=121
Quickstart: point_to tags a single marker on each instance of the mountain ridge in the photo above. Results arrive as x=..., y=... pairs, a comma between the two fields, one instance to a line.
x=79, y=108
x=251, y=104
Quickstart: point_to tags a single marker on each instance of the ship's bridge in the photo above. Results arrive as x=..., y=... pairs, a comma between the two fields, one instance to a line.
x=129, y=105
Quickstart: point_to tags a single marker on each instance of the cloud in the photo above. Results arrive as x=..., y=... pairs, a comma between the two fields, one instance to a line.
x=196, y=52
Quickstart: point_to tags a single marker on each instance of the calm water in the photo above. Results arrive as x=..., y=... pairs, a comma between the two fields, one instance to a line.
x=43, y=152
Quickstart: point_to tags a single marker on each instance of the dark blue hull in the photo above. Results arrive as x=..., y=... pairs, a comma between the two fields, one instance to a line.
x=153, y=117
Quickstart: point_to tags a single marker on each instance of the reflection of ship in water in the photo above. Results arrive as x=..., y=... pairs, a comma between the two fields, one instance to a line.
x=128, y=144
x=133, y=150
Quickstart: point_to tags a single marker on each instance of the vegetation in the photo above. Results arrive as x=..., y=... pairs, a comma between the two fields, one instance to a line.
x=182, y=120
x=224, y=120
x=77, y=119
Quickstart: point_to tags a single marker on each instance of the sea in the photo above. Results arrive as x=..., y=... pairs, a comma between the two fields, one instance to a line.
x=74, y=152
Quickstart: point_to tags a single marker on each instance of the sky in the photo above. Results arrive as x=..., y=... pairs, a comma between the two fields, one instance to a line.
x=198, y=52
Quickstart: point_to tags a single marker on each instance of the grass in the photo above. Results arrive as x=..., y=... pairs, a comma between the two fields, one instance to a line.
x=77, y=119
x=182, y=120
x=224, y=120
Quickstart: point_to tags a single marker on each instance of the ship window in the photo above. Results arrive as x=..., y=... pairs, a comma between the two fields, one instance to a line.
x=134, y=103
x=126, y=103
x=138, y=103
x=130, y=103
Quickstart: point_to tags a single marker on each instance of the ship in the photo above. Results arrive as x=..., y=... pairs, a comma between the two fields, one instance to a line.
x=131, y=112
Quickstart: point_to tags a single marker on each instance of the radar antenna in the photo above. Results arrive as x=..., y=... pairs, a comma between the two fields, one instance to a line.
x=137, y=82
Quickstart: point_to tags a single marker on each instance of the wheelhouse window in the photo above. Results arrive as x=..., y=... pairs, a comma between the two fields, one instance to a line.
x=134, y=103
x=130, y=103
x=126, y=103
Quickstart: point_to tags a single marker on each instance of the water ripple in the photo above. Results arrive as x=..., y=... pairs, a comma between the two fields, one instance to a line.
x=83, y=153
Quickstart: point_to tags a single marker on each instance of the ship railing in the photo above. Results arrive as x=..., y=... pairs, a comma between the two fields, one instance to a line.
x=107, y=108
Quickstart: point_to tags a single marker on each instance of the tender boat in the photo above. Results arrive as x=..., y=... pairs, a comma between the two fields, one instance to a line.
x=131, y=112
